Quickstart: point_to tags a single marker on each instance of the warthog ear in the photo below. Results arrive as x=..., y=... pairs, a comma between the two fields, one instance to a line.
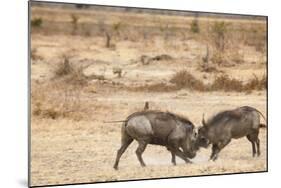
x=203, y=121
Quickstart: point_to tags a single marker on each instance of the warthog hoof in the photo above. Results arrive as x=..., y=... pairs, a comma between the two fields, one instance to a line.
x=115, y=167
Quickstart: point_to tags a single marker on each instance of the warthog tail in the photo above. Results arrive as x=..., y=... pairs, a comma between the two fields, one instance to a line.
x=118, y=121
x=262, y=125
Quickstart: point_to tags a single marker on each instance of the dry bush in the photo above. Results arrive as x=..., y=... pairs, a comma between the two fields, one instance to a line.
x=219, y=36
x=36, y=22
x=207, y=67
x=256, y=36
x=157, y=87
x=73, y=74
x=256, y=83
x=219, y=58
x=118, y=71
x=55, y=99
x=194, y=26
x=236, y=57
x=225, y=83
x=34, y=55
x=183, y=79
x=74, y=22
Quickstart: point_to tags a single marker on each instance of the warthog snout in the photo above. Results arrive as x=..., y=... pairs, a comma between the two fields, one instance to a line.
x=191, y=154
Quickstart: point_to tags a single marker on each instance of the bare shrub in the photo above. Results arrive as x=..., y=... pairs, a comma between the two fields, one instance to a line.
x=194, y=26
x=236, y=57
x=219, y=30
x=206, y=67
x=117, y=71
x=34, y=54
x=162, y=57
x=70, y=73
x=117, y=27
x=108, y=39
x=74, y=22
x=219, y=58
x=256, y=37
x=256, y=83
x=183, y=79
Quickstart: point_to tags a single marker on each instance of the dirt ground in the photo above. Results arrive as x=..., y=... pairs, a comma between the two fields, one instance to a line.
x=67, y=150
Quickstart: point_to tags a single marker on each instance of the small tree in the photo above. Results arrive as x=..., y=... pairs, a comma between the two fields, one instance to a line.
x=219, y=30
x=74, y=22
x=36, y=22
x=105, y=32
x=194, y=27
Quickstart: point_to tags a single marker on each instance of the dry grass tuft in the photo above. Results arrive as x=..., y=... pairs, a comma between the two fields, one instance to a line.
x=225, y=83
x=183, y=79
x=61, y=101
x=256, y=83
x=157, y=87
x=73, y=74
x=34, y=55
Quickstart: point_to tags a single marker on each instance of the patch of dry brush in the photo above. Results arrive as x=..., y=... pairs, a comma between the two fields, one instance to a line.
x=57, y=100
x=185, y=80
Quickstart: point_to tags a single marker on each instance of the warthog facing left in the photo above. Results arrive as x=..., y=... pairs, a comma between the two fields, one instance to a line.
x=226, y=125
x=159, y=128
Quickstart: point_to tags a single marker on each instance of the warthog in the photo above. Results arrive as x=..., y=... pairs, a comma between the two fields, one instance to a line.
x=237, y=123
x=158, y=128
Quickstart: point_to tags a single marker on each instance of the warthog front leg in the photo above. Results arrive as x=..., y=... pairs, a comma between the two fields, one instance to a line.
x=173, y=158
x=140, y=150
x=176, y=151
x=217, y=147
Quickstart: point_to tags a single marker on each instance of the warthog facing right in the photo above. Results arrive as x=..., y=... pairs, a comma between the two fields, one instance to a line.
x=174, y=132
x=237, y=123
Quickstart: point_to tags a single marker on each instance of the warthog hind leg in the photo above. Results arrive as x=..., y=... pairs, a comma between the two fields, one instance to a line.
x=124, y=146
x=253, y=138
x=140, y=150
x=258, y=146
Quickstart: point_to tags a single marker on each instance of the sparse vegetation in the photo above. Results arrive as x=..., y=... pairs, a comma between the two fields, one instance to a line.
x=73, y=74
x=183, y=79
x=194, y=27
x=156, y=87
x=219, y=31
x=34, y=55
x=118, y=71
x=219, y=58
x=63, y=102
x=225, y=83
x=36, y=22
x=74, y=22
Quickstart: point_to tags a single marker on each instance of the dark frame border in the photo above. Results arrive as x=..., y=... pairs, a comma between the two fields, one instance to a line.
x=131, y=180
